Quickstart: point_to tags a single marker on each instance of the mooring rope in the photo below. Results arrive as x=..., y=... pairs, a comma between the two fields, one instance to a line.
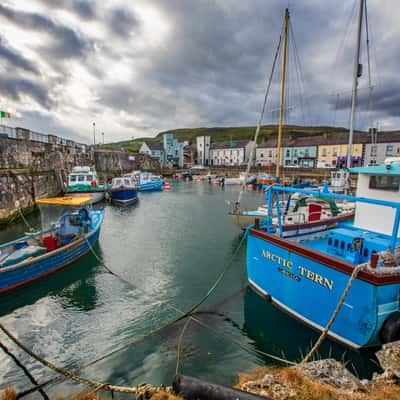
x=318, y=343
x=178, y=350
x=23, y=368
x=31, y=229
x=62, y=371
x=95, y=384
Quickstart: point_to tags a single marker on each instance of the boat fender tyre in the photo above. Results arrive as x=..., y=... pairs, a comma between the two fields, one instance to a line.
x=390, y=330
x=93, y=184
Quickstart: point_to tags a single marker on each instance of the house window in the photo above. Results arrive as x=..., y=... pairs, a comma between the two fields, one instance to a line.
x=384, y=182
x=262, y=155
x=373, y=150
x=334, y=153
x=324, y=153
x=295, y=152
x=389, y=150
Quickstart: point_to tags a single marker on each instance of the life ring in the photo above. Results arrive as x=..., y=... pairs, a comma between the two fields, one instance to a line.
x=93, y=184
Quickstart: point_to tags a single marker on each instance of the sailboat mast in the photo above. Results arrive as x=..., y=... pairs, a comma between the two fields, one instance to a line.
x=356, y=75
x=282, y=100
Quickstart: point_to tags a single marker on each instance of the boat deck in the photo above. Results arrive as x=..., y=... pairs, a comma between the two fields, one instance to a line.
x=348, y=243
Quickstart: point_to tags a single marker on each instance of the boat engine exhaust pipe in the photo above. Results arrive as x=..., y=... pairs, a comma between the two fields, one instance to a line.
x=197, y=389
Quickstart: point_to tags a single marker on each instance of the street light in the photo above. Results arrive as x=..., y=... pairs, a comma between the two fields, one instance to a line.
x=102, y=134
x=94, y=133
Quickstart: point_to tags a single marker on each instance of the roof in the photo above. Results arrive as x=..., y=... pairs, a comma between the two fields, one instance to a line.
x=377, y=170
x=155, y=145
x=235, y=144
x=73, y=201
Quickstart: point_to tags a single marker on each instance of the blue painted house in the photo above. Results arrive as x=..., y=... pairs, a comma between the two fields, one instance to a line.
x=173, y=151
x=302, y=152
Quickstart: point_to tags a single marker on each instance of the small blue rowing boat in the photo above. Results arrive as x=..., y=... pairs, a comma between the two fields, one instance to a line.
x=147, y=182
x=69, y=228
x=123, y=190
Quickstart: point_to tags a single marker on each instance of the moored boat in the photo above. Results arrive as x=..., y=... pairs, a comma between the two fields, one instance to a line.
x=301, y=214
x=83, y=181
x=298, y=275
x=69, y=228
x=146, y=181
x=123, y=190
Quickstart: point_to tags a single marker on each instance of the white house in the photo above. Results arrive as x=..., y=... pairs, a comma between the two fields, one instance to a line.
x=154, y=149
x=230, y=153
x=203, y=145
x=266, y=153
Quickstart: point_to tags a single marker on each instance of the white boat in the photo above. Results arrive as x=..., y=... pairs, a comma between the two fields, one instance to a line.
x=83, y=181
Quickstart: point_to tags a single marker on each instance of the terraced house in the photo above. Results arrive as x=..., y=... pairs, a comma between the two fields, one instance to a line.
x=232, y=153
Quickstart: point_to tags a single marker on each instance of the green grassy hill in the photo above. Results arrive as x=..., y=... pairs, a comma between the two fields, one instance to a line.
x=225, y=134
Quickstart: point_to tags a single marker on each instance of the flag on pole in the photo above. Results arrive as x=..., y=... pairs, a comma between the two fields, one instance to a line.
x=4, y=114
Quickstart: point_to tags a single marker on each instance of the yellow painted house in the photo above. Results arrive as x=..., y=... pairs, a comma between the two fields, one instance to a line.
x=333, y=151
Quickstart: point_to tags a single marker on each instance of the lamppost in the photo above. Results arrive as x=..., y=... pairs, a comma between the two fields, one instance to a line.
x=94, y=133
x=102, y=134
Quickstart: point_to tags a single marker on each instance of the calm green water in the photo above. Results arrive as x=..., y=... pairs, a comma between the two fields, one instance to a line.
x=171, y=247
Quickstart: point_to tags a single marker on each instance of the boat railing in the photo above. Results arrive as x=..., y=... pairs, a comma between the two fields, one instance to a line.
x=336, y=196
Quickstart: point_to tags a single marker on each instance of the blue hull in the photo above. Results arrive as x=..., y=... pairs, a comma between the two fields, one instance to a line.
x=152, y=185
x=29, y=270
x=309, y=288
x=123, y=196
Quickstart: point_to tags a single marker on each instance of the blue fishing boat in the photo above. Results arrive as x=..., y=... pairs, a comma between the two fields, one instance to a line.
x=69, y=228
x=123, y=190
x=307, y=275
x=147, y=182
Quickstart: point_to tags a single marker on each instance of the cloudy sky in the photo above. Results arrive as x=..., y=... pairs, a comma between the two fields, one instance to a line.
x=141, y=67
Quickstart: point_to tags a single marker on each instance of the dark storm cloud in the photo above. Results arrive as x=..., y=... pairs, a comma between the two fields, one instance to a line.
x=15, y=88
x=14, y=58
x=66, y=42
x=122, y=22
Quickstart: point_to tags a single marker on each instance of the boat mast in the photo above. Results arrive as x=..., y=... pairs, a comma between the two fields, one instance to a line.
x=282, y=100
x=356, y=74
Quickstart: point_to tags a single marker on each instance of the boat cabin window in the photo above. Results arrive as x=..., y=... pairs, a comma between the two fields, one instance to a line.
x=384, y=182
x=127, y=182
x=81, y=178
x=342, y=245
x=365, y=254
x=336, y=243
x=330, y=241
x=117, y=182
x=89, y=178
x=72, y=178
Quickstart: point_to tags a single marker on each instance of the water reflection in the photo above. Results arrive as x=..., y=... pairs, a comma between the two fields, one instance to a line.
x=74, y=285
x=276, y=332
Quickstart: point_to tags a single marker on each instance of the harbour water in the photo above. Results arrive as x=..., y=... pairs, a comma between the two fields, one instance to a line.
x=170, y=247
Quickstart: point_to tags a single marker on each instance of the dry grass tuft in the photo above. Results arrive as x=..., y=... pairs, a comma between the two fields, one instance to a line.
x=8, y=393
x=302, y=388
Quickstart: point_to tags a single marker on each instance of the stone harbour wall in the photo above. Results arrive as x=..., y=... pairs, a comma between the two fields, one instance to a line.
x=31, y=170
x=20, y=189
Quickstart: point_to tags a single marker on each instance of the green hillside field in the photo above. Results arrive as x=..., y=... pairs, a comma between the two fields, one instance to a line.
x=225, y=134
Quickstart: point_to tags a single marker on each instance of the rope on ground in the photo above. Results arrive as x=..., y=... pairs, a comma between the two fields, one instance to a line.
x=24, y=369
x=178, y=350
x=324, y=333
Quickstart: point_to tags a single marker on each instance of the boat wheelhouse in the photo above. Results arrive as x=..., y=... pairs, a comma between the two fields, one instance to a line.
x=70, y=227
x=83, y=181
x=306, y=276
x=123, y=190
